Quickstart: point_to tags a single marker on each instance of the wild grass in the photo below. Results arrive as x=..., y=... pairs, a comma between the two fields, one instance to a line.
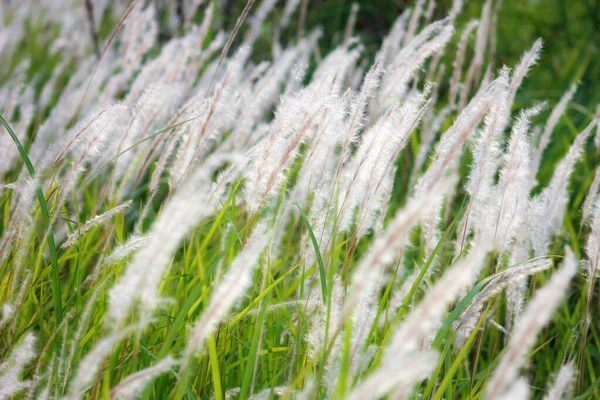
x=184, y=216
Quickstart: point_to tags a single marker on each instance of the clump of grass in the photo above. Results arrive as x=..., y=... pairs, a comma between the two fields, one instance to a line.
x=184, y=219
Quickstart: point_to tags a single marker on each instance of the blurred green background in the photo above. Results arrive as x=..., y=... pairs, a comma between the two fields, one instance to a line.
x=570, y=30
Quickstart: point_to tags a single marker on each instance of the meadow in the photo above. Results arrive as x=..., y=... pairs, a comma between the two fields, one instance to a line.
x=299, y=200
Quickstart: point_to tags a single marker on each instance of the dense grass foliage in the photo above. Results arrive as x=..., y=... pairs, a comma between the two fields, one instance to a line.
x=295, y=203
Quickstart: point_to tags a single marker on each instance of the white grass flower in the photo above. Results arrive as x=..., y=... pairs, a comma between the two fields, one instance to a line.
x=551, y=123
x=229, y=291
x=409, y=59
x=192, y=202
x=90, y=365
x=457, y=66
x=124, y=250
x=387, y=245
x=486, y=159
x=528, y=59
x=563, y=383
x=97, y=220
x=536, y=315
x=474, y=71
x=427, y=313
x=403, y=372
x=502, y=280
x=133, y=385
x=591, y=197
x=549, y=206
x=514, y=183
x=7, y=313
x=519, y=390
x=12, y=367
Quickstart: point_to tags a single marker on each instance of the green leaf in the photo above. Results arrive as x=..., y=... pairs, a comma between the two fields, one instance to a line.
x=46, y=219
x=322, y=275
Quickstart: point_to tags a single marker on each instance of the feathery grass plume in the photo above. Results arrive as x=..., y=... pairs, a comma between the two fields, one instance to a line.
x=486, y=158
x=12, y=367
x=229, y=291
x=597, y=135
x=291, y=126
x=23, y=286
x=450, y=145
x=7, y=313
x=97, y=220
x=90, y=365
x=140, y=33
x=345, y=141
x=562, y=386
x=134, y=243
x=528, y=60
x=21, y=225
x=351, y=22
x=374, y=157
x=551, y=123
x=386, y=246
x=333, y=70
x=429, y=11
x=514, y=183
x=358, y=107
x=215, y=111
x=264, y=94
x=414, y=21
x=83, y=321
x=548, y=208
x=496, y=285
x=87, y=142
x=146, y=111
x=518, y=390
x=15, y=96
x=62, y=375
x=41, y=360
x=402, y=68
x=323, y=324
x=434, y=74
x=403, y=372
x=257, y=20
x=133, y=385
x=449, y=149
x=592, y=245
x=429, y=133
x=536, y=315
x=427, y=313
x=513, y=216
x=592, y=250
x=192, y=202
x=316, y=173
x=591, y=197
x=290, y=7
x=392, y=42
x=457, y=65
x=474, y=71
x=44, y=394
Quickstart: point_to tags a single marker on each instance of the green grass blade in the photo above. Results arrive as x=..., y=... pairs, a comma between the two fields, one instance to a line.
x=447, y=381
x=214, y=367
x=322, y=275
x=46, y=220
x=249, y=370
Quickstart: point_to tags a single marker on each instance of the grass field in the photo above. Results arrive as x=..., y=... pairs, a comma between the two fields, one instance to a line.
x=301, y=199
